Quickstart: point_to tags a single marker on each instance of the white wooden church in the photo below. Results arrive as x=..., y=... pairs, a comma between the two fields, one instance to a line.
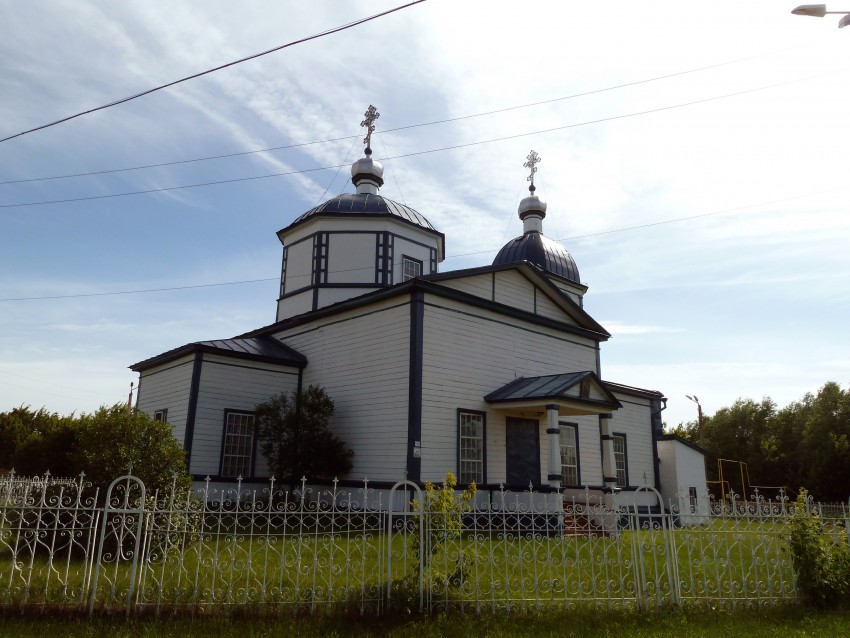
x=492, y=373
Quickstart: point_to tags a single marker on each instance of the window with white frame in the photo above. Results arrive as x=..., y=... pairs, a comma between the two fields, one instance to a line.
x=620, y=459
x=569, y=454
x=411, y=268
x=160, y=416
x=238, y=446
x=471, y=447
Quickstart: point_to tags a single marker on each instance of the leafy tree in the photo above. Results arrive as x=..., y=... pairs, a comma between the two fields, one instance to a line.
x=805, y=444
x=112, y=441
x=825, y=449
x=104, y=445
x=294, y=436
x=33, y=442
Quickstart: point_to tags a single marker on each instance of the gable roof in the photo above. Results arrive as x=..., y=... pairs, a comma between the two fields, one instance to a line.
x=262, y=348
x=539, y=278
x=554, y=387
x=587, y=326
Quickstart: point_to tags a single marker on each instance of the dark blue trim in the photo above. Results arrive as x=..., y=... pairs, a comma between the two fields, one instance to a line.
x=553, y=477
x=253, y=446
x=433, y=255
x=657, y=427
x=414, y=411
x=483, y=416
x=553, y=431
x=236, y=365
x=493, y=286
x=174, y=367
x=426, y=285
x=189, y=432
x=313, y=288
x=553, y=406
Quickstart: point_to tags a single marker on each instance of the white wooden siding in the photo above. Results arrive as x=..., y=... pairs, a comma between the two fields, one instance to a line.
x=478, y=285
x=362, y=359
x=470, y=352
x=167, y=387
x=545, y=307
x=299, y=265
x=512, y=289
x=351, y=258
x=232, y=384
x=330, y=296
x=635, y=421
x=295, y=305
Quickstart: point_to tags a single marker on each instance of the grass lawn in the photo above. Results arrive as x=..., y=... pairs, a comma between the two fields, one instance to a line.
x=766, y=623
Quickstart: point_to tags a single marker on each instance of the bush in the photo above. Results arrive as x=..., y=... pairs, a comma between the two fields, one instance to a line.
x=822, y=566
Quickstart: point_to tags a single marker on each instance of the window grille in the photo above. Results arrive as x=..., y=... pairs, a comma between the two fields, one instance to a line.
x=238, y=445
x=620, y=459
x=411, y=268
x=471, y=448
x=569, y=455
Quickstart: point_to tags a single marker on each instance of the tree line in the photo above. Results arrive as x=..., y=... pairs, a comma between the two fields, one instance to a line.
x=103, y=445
x=806, y=444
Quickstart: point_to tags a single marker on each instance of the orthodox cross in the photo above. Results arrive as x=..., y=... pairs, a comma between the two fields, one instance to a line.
x=533, y=160
x=369, y=118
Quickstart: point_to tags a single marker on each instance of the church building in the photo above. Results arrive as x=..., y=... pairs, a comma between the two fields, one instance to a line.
x=492, y=373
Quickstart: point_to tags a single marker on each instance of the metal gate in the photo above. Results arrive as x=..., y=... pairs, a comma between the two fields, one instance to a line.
x=117, y=559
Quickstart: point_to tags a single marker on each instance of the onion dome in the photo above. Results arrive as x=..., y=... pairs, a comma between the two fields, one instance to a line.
x=532, y=246
x=367, y=175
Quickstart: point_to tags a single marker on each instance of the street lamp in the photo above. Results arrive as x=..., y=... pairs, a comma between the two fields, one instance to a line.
x=819, y=11
x=699, y=413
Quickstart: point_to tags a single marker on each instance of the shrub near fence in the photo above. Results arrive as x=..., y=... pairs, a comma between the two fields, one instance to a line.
x=356, y=550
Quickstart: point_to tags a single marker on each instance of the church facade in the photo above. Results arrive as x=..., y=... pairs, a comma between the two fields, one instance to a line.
x=492, y=373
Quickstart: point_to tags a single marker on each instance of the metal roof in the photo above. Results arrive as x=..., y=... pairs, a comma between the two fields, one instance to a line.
x=541, y=251
x=260, y=348
x=368, y=205
x=550, y=387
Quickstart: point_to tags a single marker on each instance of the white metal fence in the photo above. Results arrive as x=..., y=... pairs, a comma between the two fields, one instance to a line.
x=328, y=549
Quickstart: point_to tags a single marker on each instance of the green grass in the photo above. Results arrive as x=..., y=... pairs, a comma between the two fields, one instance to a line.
x=725, y=564
x=775, y=623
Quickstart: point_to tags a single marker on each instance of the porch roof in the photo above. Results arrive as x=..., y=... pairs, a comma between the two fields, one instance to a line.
x=574, y=392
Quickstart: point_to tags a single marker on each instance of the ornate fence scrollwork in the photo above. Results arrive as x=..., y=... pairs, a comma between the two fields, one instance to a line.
x=325, y=548
x=117, y=559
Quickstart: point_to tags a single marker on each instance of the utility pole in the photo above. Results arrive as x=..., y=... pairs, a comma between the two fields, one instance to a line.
x=699, y=416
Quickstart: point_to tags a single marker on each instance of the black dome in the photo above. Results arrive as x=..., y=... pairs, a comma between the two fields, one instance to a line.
x=541, y=251
x=367, y=205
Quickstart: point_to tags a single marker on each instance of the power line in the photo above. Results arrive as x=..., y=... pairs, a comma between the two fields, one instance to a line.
x=415, y=153
x=135, y=292
x=391, y=130
x=480, y=252
x=218, y=68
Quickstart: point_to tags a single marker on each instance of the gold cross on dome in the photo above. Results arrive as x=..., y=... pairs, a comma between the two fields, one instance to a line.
x=369, y=118
x=533, y=160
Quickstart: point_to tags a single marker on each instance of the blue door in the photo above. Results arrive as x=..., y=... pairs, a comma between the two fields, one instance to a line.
x=522, y=441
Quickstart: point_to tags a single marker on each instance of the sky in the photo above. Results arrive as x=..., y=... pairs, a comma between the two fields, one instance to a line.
x=694, y=162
